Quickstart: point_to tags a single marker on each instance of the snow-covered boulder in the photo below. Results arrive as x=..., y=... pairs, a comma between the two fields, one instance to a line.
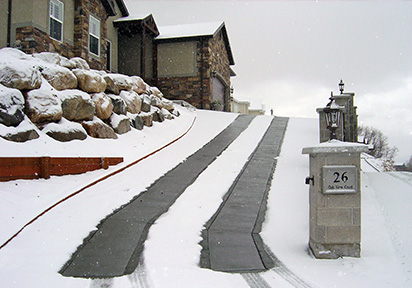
x=103, y=104
x=98, y=129
x=25, y=131
x=76, y=105
x=147, y=119
x=117, y=82
x=67, y=63
x=136, y=121
x=155, y=101
x=11, y=106
x=120, y=123
x=59, y=77
x=132, y=100
x=167, y=114
x=80, y=63
x=146, y=102
x=90, y=81
x=43, y=104
x=22, y=77
x=139, y=86
x=119, y=106
x=167, y=104
x=156, y=92
x=65, y=131
x=158, y=115
x=48, y=57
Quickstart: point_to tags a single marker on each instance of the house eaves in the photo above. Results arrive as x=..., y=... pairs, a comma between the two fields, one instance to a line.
x=198, y=31
x=111, y=10
x=132, y=24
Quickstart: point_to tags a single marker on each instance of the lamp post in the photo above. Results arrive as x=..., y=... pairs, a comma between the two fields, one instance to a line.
x=341, y=86
x=332, y=115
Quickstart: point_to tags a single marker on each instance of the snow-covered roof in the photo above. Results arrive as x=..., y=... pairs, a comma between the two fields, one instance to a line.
x=190, y=30
x=132, y=18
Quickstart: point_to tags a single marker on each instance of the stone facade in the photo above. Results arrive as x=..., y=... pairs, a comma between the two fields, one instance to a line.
x=212, y=60
x=85, y=9
x=34, y=40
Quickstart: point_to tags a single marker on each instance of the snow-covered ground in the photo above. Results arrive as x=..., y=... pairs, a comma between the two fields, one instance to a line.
x=171, y=254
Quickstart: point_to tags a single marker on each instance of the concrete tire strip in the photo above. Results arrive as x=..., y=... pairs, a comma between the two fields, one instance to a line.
x=114, y=249
x=231, y=241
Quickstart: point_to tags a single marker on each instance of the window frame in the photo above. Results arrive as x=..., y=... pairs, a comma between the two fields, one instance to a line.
x=92, y=34
x=52, y=17
x=109, y=55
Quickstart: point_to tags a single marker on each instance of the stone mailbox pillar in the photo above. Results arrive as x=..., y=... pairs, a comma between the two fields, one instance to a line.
x=335, y=199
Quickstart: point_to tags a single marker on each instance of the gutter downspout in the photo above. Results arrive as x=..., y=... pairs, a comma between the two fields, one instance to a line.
x=201, y=74
x=9, y=24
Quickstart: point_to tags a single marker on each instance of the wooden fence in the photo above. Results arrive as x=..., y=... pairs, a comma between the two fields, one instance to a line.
x=12, y=168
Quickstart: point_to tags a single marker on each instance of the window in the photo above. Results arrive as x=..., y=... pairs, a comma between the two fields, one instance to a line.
x=94, y=35
x=109, y=56
x=56, y=20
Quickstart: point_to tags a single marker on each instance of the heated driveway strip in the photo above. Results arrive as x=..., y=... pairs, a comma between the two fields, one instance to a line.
x=114, y=249
x=231, y=241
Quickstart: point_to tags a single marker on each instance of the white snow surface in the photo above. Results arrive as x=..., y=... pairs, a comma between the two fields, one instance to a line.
x=171, y=254
x=189, y=30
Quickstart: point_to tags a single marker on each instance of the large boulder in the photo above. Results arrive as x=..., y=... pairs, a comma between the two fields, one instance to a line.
x=167, y=104
x=117, y=82
x=65, y=131
x=59, y=77
x=120, y=123
x=132, y=100
x=119, y=105
x=146, y=102
x=48, y=57
x=147, y=119
x=156, y=92
x=90, y=81
x=158, y=115
x=103, y=104
x=139, y=86
x=80, y=63
x=43, y=104
x=98, y=129
x=67, y=63
x=77, y=105
x=11, y=106
x=136, y=121
x=25, y=131
x=22, y=77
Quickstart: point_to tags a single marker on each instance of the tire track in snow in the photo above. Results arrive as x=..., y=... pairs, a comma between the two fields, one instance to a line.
x=254, y=280
x=283, y=271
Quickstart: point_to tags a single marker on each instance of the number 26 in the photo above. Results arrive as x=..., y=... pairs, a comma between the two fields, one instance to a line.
x=339, y=178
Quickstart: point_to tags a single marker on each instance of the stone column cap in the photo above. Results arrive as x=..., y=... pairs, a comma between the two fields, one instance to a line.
x=336, y=146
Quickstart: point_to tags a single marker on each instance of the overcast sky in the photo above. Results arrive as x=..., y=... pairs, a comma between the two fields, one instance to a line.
x=292, y=54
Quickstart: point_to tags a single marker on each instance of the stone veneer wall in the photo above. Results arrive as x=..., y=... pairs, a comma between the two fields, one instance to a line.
x=215, y=58
x=85, y=8
x=34, y=40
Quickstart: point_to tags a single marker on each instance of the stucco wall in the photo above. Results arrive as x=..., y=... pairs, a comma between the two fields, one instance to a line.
x=183, y=85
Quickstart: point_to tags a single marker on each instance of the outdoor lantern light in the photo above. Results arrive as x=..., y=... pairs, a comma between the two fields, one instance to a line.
x=341, y=86
x=332, y=115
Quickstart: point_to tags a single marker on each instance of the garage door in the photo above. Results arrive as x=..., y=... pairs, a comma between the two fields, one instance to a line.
x=218, y=98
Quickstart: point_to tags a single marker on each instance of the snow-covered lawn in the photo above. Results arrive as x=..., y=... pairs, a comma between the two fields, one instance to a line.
x=171, y=254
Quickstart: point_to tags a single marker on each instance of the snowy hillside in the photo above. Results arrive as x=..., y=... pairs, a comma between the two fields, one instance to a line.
x=171, y=255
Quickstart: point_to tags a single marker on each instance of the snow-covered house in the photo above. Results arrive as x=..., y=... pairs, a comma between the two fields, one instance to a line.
x=82, y=28
x=193, y=64
x=187, y=62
